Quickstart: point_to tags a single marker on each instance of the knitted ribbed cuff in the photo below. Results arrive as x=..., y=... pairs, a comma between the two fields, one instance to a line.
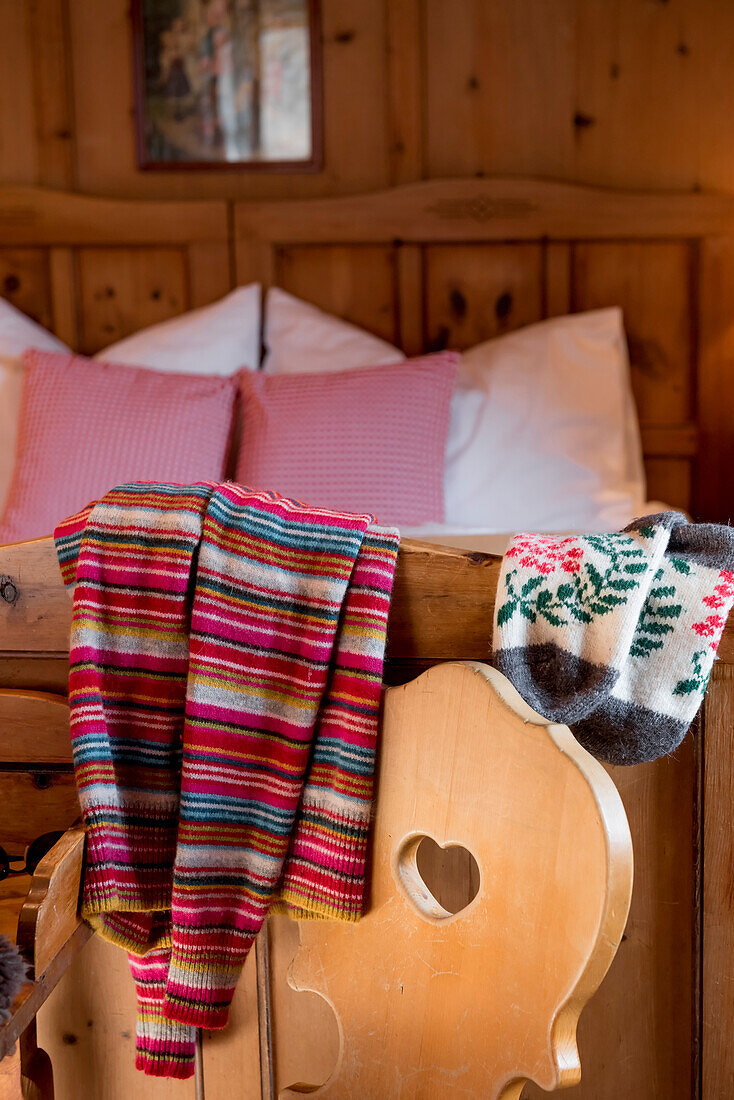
x=324, y=875
x=164, y=1048
x=130, y=872
x=202, y=976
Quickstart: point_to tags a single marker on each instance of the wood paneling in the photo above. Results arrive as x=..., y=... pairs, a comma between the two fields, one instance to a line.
x=18, y=148
x=34, y=725
x=123, y=290
x=24, y=282
x=482, y=60
x=33, y=803
x=475, y=292
x=652, y=283
x=715, y=473
x=646, y=1001
x=717, y=1053
x=355, y=282
x=611, y=92
x=305, y=1033
x=87, y=1026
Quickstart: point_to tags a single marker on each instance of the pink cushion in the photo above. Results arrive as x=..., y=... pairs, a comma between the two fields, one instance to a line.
x=86, y=427
x=364, y=440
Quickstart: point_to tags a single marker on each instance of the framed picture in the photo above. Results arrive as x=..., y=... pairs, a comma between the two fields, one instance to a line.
x=228, y=83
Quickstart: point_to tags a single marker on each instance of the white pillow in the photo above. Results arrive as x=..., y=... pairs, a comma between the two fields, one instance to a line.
x=17, y=332
x=299, y=338
x=543, y=433
x=216, y=339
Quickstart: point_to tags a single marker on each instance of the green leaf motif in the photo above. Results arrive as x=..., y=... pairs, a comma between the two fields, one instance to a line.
x=506, y=612
x=530, y=585
x=686, y=687
x=680, y=566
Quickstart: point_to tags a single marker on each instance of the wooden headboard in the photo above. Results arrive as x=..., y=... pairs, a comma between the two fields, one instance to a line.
x=428, y=265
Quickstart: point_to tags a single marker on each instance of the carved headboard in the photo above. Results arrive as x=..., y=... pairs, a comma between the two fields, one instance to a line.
x=448, y=262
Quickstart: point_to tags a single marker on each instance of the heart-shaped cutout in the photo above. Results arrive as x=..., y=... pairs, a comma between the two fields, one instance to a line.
x=440, y=882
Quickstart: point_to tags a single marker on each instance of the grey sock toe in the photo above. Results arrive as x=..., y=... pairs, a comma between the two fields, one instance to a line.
x=561, y=687
x=625, y=733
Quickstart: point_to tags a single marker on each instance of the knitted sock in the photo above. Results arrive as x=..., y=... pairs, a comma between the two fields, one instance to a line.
x=324, y=874
x=567, y=609
x=271, y=579
x=663, y=680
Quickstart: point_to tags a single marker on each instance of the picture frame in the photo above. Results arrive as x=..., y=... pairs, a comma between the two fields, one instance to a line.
x=228, y=84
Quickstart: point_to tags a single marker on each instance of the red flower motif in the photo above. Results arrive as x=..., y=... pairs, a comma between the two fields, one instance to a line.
x=546, y=554
x=723, y=593
x=711, y=627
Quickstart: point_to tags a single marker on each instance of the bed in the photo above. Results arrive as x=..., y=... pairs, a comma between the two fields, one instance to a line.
x=425, y=266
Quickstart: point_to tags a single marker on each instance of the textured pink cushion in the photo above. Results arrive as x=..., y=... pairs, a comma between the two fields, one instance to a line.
x=86, y=427
x=370, y=439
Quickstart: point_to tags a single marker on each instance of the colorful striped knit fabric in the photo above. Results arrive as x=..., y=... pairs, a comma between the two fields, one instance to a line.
x=226, y=669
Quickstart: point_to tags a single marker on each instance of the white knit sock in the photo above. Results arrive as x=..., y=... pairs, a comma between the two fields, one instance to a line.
x=567, y=610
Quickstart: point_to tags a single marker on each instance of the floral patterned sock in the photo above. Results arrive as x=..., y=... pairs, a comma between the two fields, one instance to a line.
x=663, y=680
x=567, y=610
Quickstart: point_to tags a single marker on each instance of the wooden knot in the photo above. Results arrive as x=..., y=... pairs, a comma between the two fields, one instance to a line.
x=8, y=591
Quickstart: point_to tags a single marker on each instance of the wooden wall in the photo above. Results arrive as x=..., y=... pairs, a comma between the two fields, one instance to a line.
x=624, y=93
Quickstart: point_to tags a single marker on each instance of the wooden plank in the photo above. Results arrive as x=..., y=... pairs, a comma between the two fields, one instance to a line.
x=52, y=60
x=64, y=289
x=24, y=282
x=49, y=918
x=717, y=987
x=233, y=1054
x=87, y=1026
x=34, y=802
x=442, y=604
x=255, y=262
x=355, y=283
x=651, y=282
x=208, y=272
x=123, y=290
x=34, y=673
x=405, y=72
x=670, y=480
x=557, y=278
x=628, y=54
x=476, y=292
x=18, y=146
x=34, y=726
x=413, y=986
x=411, y=322
x=495, y=209
x=304, y=1028
x=644, y=1005
x=715, y=483
x=34, y=994
x=10, y=1077
x=33, y=216
x=36, y=615
x=674, y=440
x=500, y=87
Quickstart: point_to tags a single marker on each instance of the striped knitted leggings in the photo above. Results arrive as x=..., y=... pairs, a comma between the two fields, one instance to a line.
x=226, y=667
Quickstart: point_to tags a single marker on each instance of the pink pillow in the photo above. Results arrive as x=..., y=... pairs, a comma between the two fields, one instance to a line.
x=85, y=427
x=364, y=440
